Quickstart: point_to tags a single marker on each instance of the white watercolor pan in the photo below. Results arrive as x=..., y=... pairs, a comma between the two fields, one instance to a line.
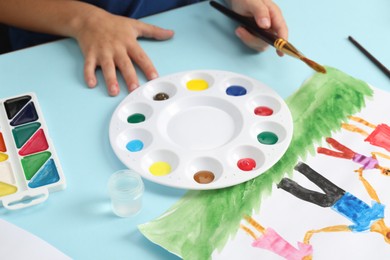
x=29, y=167
x=201, y=129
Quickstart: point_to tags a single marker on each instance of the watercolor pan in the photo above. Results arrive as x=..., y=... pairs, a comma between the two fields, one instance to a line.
x=201, y=130
x=29, y=167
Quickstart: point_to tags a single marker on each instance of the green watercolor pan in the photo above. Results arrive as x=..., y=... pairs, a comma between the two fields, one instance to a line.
x=203, y=129
x=29, y=167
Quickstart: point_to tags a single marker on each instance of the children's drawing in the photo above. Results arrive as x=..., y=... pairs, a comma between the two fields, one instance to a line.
x=270, y=240
x=211, y=219
x=367, y=162
x=379, y=137
x=363, y=216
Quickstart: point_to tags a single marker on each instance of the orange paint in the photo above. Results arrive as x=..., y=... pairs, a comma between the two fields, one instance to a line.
x=204, y=177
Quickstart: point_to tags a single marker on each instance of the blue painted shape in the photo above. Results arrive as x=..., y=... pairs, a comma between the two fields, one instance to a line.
x=26, y=115
x=135, y=145
x=359, y=212
x=236, y=91
x=45, y=176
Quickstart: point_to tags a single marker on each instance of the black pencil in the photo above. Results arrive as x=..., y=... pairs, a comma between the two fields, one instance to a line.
x=369, y=56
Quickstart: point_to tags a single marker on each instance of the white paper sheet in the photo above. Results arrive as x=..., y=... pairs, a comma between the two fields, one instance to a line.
x=292, y=217
x=17, y=244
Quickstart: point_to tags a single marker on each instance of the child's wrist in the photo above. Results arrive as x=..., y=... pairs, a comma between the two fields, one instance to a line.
x=87, y=18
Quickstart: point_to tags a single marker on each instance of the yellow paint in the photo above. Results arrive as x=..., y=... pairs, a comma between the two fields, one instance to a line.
x=160, y=168
x=197, y=85
x=6, y=189
x=3, y=157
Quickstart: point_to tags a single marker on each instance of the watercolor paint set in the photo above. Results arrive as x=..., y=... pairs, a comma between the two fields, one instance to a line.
x=29, y=167
x=201, y=130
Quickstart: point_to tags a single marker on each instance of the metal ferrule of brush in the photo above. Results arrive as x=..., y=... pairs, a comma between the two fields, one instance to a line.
x=287, y=48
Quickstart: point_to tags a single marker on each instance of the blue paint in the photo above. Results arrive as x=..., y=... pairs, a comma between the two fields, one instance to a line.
x=360, y=213
x=26, y=115
x=236, y=91
x=45, y=176
x=135, y=145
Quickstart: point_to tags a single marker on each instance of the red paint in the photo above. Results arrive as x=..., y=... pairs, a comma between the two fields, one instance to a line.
x=37, y=143
x=246, y=164
x=2, y=144
x=380, y=137
x=263, y=111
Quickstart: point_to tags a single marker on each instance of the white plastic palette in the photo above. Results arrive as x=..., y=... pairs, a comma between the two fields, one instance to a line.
x=29, y=167
x=201, y=129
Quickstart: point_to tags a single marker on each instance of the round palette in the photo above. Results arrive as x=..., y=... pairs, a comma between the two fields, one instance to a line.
x=201, y=129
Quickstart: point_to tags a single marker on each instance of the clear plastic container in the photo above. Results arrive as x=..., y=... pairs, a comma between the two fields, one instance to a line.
x=126, y=189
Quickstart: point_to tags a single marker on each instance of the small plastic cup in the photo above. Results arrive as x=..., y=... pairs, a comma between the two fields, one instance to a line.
x=126, y=189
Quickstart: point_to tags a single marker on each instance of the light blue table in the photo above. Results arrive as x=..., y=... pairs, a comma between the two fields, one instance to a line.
x=78, y=220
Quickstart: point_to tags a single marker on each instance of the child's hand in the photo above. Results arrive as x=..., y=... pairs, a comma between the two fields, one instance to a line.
x=109, y=41
x=267, y=15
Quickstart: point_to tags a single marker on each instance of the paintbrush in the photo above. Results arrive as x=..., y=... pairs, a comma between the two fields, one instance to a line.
x=272, y=39
x=370, y=56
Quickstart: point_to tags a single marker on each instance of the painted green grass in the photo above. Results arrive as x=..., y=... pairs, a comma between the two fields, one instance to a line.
x=203, y=221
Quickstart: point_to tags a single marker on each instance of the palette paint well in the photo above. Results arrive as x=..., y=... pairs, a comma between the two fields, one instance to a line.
x=201, y=129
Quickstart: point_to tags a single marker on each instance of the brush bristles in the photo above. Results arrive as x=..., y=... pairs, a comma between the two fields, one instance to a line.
x=317, y=67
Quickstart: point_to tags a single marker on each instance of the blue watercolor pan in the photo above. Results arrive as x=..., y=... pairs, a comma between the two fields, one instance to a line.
x=29, y=166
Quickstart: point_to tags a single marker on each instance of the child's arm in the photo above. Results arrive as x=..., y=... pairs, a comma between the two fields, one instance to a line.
x=370, y=190
x=57, y=17
x=339, y=228
x=106, y=40
x=375, y=154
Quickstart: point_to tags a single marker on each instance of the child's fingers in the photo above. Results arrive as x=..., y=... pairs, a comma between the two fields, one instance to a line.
x=250, y=40
x=109, y=73
x=153, y=32
x=126, y=67
x=122, y=54
x=89, y=72
x=278, y=24
x=139, y=57
x=261, y=14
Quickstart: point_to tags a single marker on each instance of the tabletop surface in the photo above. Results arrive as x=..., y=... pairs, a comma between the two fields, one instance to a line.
x=79, y=221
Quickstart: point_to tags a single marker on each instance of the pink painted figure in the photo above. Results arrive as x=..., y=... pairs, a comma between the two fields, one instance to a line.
x=380, y=136
x=272, y=241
